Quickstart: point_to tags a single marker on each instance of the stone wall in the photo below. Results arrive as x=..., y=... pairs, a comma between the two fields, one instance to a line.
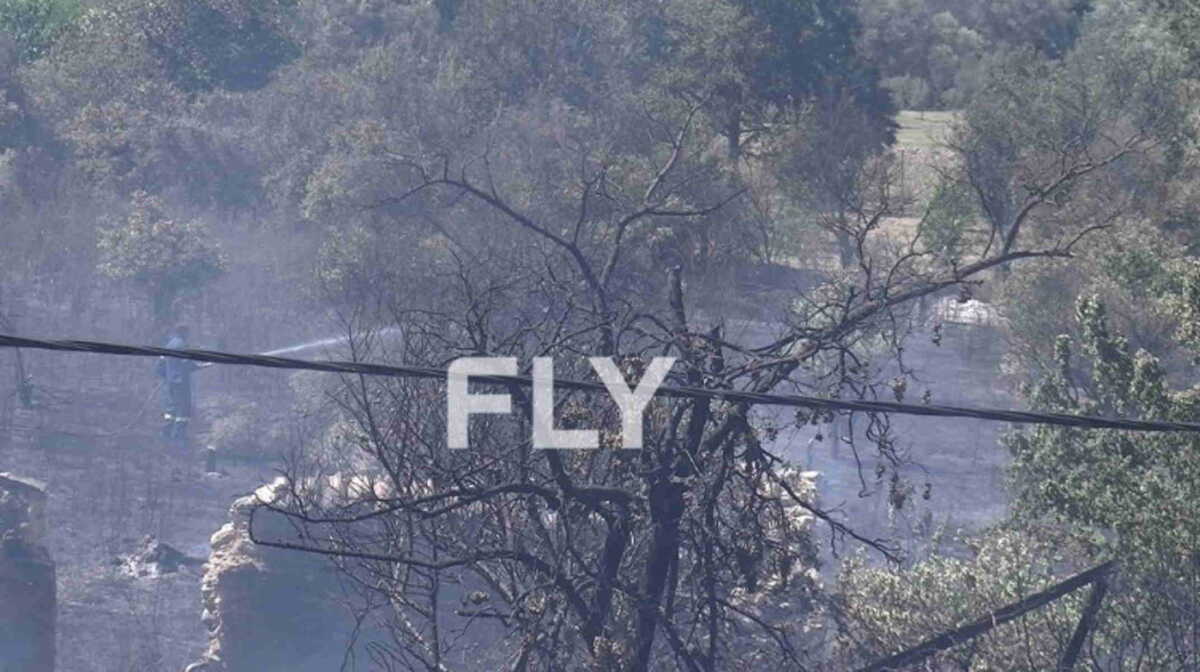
x=273, y=610
x=267, y=609
x=28, y=603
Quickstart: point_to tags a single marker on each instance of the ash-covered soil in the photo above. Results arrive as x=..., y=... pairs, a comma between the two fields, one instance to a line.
x=125, y=602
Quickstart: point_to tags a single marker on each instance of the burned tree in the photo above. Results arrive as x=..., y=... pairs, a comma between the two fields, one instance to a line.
x=534, y=244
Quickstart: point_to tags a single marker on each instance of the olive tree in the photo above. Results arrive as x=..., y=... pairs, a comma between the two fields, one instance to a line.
x=164, y=257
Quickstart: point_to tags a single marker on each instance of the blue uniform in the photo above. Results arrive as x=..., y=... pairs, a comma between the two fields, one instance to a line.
x=177, y=391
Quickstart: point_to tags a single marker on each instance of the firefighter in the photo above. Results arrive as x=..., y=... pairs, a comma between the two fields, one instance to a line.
x=177, y=387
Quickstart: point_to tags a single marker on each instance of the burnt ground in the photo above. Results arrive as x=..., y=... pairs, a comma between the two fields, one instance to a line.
x=111, y=483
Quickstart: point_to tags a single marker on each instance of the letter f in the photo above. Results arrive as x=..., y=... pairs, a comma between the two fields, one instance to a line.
x=460, y=403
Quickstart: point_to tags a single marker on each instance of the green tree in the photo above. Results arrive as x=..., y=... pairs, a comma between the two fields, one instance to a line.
x=134, y=92
x=164, y=257
x=1060, y=147
x=939, y=42
x=231, y=46
x=1049, y=27
x=754, y=62
x=1125, y=84
x=915, y=46
x=1183, y=19
x=35, y=24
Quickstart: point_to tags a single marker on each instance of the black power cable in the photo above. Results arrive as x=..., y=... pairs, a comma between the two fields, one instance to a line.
x=795, y=400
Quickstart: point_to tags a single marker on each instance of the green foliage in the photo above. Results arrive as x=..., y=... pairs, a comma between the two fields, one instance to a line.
x=116, y=48
x=952, y=210
x=756, y=60
x=1138, y=273
x=163, y=256
x=16, y=127
x=1123, y=495
x=513, y=53
x=887, y=610
x=35, y=24
x=1080, y=498
x=1051, y=148
x=354, y=260
x=795, y=59
x=211, y=46
x=1183, y=19
x=1144, y=270
x=1186, y=301
x=1138, y=71
x=910, y=92
x=1049, y=27
x=121, y=90
x=940, y=42
x=122, y=147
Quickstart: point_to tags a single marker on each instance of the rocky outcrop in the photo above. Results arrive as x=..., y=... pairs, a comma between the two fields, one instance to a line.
x=28, y=601
x=268, y=609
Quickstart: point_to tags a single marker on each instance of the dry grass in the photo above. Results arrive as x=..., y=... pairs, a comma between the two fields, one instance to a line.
x=923, y=130
x=900, y=229
x=920, y=144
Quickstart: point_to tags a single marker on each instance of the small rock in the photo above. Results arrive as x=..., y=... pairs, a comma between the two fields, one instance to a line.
x=156, y=558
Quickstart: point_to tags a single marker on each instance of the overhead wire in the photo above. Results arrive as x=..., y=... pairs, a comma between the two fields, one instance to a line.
x=685, y=392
